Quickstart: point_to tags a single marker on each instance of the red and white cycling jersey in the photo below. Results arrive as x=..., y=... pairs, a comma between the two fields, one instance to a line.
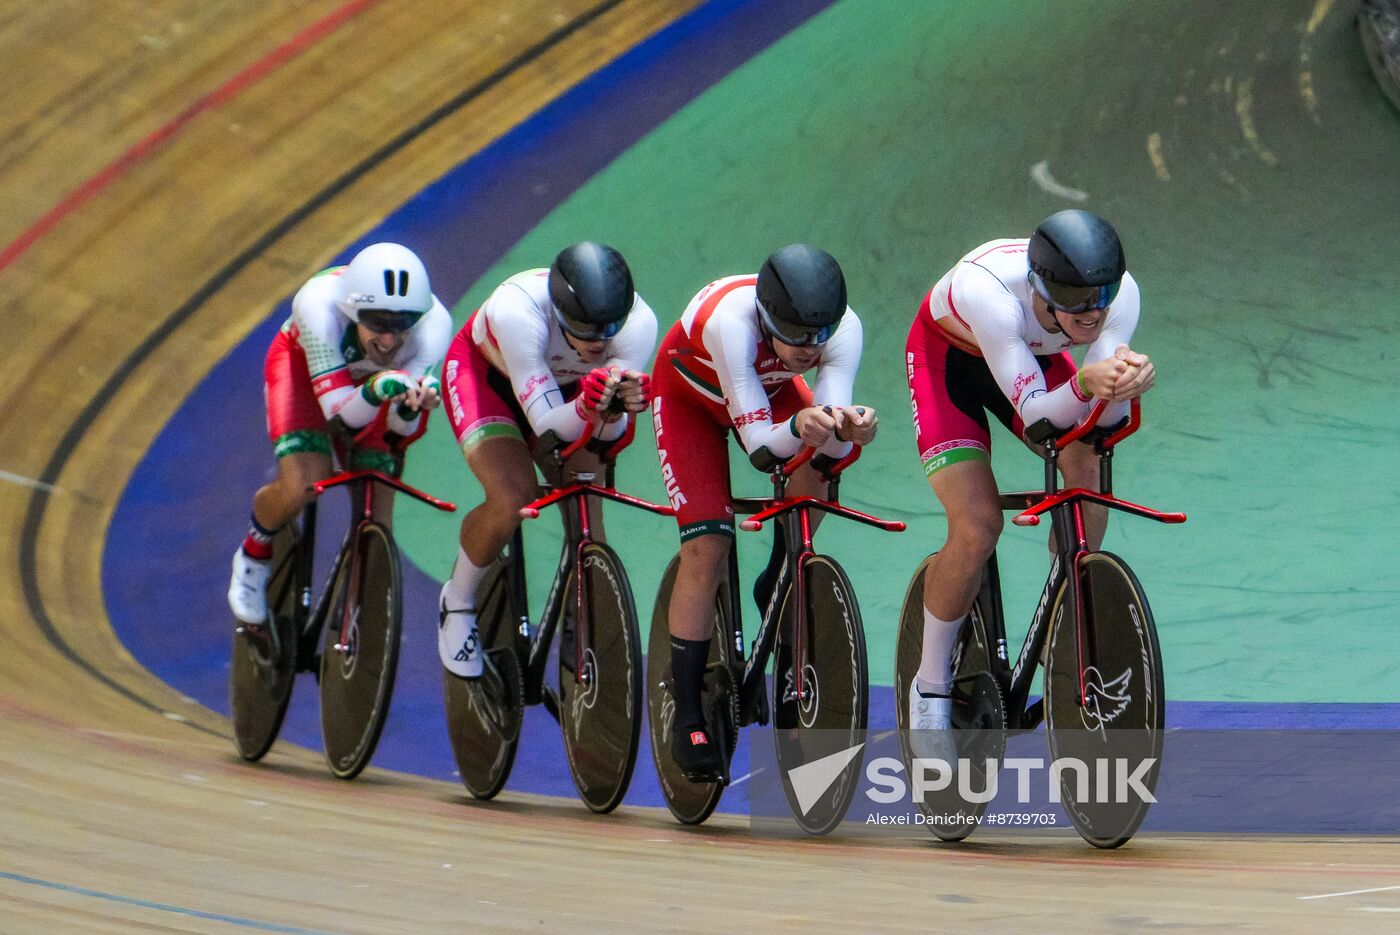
x=336, y=362
x=516, y=331
x=723, y=354
x=983, y=307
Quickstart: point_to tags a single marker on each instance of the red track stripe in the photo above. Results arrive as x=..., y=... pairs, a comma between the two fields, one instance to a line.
x=221, y=95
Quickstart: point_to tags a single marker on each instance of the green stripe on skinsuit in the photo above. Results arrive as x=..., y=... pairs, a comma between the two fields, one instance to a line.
x=952, y=456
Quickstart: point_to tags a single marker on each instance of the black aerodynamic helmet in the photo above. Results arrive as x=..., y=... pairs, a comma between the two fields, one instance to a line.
x=592, y=291
x=1076, y=261
x=801, y=295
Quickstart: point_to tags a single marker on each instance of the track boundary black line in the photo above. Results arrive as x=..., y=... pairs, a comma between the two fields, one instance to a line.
x=38, y=503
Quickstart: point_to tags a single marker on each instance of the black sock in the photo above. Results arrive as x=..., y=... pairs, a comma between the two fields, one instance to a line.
x=688, y=658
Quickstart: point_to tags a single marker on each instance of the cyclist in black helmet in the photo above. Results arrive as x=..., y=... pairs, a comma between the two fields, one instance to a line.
x=993, y=336
x=734, y=362
x=551, y=350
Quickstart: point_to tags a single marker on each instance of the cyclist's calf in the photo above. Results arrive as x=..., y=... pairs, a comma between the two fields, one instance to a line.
x=704, y=564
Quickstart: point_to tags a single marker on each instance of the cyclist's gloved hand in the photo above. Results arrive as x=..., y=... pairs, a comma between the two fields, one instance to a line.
x=595, y=392
x=389, y=385
x=633, y=392
x=429, y=397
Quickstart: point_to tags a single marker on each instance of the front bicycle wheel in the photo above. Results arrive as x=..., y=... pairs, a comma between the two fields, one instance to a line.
x=690, y=802
x=979, y=709
x=484, y=715
x=1111, y=744
x=263, y=666
x=360, y=653
x=829, y=715
x=600, y=705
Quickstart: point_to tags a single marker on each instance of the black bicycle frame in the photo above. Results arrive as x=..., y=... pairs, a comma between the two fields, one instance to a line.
x=793, y=517
x=362, y=486
x=578, y=534
x=1066, y=509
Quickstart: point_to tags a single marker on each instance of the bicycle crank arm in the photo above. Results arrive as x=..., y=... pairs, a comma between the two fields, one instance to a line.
x=551, y=703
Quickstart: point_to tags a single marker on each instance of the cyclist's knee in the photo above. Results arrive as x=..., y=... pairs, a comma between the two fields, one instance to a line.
x=705, y=557
x=1079, y=467
x=975, y=535
x=296, y=473
x=504, y=501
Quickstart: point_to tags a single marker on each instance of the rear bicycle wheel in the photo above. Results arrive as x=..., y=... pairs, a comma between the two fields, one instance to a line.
x=979, y=709
x=484, y=715
x=690, y=802
x=830, y=715
x=263, y=668
x=1122, y=722
x=360, y=652
x=600, y=707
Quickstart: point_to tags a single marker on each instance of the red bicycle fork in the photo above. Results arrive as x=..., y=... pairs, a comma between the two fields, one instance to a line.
x=367, y=481
x=581, y=493
x=800, y=540
x=1067, y=506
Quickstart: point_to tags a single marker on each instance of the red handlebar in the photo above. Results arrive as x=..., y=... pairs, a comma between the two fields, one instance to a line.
x=791, y=465
x=613, y=450
x=802, y=457
x=1092, y=419
x=378, y=477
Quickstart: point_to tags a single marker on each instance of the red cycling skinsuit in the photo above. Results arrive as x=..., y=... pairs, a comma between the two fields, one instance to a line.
x=715, y=373
x=977, y=347
x=315, y=367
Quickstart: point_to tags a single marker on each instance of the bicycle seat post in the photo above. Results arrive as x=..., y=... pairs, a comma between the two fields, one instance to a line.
x=1105, y=467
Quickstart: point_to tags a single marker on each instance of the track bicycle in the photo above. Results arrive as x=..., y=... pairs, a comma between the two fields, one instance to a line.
x=1104, y=695
x=359, y=611
x=598, y=697
x=810, y=627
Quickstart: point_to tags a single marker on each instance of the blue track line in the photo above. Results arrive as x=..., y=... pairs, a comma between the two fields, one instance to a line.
x=159, y=907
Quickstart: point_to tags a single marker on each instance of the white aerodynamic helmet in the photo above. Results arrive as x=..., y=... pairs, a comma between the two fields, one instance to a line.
x=385, y=288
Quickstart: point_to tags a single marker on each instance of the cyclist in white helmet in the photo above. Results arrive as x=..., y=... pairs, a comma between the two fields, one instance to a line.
x=357, y=350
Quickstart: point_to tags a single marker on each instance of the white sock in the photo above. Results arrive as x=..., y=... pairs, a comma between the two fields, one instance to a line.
x=461, y=588
x=936, y=665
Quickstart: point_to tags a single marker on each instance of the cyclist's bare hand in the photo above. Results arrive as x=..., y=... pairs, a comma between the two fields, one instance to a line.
x=858, y=424
x=1139, y=376
x=815, y=424
x=429, y=393
x=1099, y=378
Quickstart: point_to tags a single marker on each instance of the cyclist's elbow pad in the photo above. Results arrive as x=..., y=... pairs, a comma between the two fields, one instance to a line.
x=764, y=460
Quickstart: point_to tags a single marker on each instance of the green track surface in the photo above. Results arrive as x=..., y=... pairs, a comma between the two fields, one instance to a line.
x=898, y=134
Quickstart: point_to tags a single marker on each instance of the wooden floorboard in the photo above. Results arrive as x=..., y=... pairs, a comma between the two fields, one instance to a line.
x=118, y=814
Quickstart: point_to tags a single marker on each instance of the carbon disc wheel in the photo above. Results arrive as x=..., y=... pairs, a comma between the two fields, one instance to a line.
x=263, y=666
x=1113, y=740
x=484, y=715
x=600, y=683
x=360, y=651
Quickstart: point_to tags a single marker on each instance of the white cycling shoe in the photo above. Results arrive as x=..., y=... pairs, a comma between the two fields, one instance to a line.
x=247, y=590
x=459, y=646
x=931, y=727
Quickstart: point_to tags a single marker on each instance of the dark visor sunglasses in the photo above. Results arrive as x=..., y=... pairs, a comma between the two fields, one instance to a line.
x=587, y=330
x=1074, y=299
x=383, y=321
x=794, y=335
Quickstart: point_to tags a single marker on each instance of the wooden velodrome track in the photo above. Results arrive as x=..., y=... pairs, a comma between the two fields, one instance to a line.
x=158, y=160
